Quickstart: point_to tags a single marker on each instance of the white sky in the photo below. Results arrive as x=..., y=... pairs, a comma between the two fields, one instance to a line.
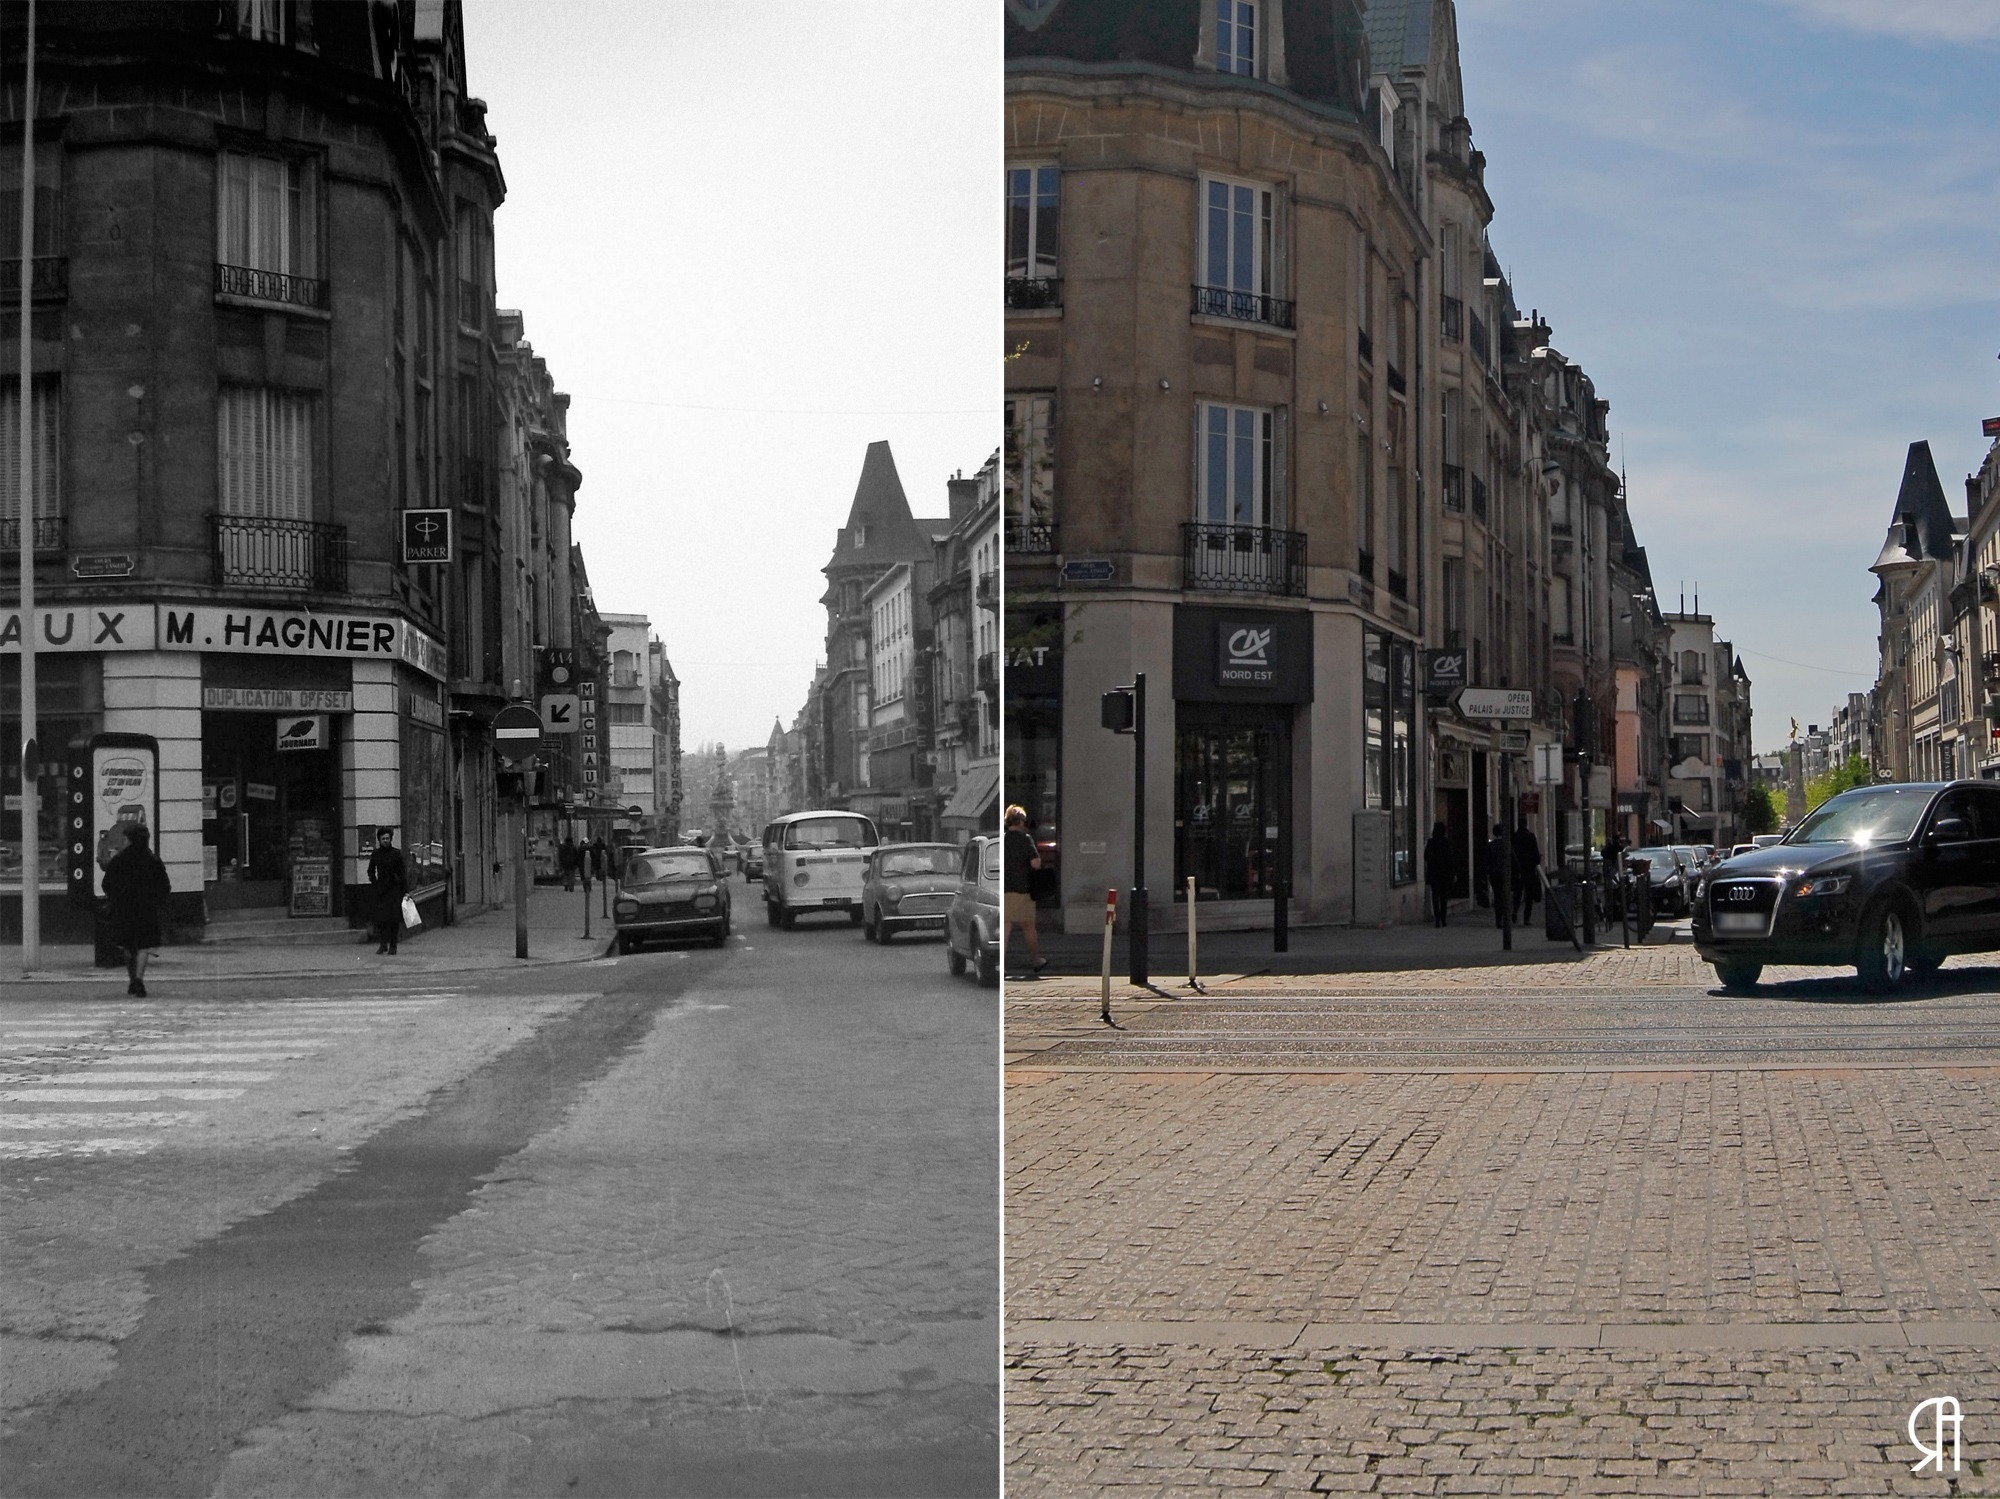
x=748, y=239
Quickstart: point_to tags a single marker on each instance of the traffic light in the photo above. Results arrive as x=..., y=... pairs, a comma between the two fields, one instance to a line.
x=1115, y=707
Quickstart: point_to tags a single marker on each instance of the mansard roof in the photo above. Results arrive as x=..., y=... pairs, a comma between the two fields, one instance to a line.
x=880, y=531
x=1399, y=34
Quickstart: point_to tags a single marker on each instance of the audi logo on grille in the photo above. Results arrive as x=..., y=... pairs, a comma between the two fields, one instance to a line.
x=1740, y=892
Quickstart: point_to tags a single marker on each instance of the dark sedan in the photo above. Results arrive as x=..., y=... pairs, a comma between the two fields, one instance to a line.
x=1891, y=879
x=908, y=888
x=1666, y=879
x=671, y=892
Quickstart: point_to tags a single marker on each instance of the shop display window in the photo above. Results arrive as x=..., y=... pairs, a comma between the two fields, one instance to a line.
x=68, y=699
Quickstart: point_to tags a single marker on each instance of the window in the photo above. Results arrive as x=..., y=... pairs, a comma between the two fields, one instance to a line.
x=1388, y=752
x=1236, y=37
x=1364, y=503
x=264, y=444
x=45, y=404
x=1237, y=454
x=1690, y=707
x=267, y=215
x=628, y=713
x=1690, y=747
x=1029, y=482
x=1364, y=302
x=473, y=257
x=263, y=20
x=1239, y=218
x=1033, y=221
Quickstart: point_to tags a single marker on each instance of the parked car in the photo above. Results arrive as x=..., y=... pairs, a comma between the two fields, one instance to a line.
x=1891, y=879
x=671, y=892
x=1741, y=848
x=753, y=863
x=972, y=925
x=908, y=887
x=1766, y=840
x=1694, y=868
x=1666, y=879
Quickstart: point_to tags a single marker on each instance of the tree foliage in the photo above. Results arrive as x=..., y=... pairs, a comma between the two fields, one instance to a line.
x=1844, y=777
x=1760, y=813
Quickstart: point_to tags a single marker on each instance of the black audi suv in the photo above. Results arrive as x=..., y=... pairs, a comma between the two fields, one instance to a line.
x=1890, y=879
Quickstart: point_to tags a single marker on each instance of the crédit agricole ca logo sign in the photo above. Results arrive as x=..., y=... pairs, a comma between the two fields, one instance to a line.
x=1245, y=659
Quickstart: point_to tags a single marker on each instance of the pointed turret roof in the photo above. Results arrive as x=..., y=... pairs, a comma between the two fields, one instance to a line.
x=1924, y=519
x=880, y=531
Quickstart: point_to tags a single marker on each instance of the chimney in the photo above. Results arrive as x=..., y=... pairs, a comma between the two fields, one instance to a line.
x=964, y=494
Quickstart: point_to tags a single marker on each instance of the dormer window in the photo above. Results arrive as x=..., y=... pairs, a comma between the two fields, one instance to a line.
x=860, y=537
x=1236, y=37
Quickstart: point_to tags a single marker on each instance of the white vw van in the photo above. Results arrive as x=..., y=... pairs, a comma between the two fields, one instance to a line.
x=815, y=861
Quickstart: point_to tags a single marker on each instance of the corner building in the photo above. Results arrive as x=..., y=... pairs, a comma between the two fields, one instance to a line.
x=262, y=327
x=1216, y=429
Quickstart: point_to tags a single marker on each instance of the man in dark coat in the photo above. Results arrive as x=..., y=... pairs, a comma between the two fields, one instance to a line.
x=1527, y=860
x=600, y=857
x=390, y=881
x=135, y=889
x=1437, y=871
x=1498, y=864
x=566, y=861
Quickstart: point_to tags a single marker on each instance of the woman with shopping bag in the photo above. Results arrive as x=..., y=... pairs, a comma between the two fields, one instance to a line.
x=390, y=882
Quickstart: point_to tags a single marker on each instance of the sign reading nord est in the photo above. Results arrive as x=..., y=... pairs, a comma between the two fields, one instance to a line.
x=298, y=632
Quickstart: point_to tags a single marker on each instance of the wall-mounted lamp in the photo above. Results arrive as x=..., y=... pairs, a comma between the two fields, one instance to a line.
x=1097, y=382
x=1166, y=385
x=1322, y=408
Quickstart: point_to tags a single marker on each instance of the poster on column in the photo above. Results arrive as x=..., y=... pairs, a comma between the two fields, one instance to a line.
x=114, y=788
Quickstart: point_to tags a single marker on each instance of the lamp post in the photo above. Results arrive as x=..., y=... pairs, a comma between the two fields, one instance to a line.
x=31, y=768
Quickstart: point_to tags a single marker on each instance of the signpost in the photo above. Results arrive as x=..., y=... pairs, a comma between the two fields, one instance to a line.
x=517, y=735
x=1499, y=705
x=1123, y=711
x=1495, y=704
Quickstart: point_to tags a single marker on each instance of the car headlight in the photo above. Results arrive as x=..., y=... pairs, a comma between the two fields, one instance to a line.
x=704, y=902
x=626, y=908
x=892, y=898
x=1826, y=884
x=800, y=878
x=708, y=890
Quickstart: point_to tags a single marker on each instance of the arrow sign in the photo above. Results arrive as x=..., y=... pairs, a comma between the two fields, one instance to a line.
x=517, y=732
x=1497, y=702
x=560, y=713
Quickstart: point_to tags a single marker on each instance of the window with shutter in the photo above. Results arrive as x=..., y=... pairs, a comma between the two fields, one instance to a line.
x=45, y=413
x=267, y=214
x=264, y=443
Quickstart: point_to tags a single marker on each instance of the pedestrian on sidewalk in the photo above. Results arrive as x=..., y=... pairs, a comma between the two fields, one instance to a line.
x=1018, y=870
x=390, y=880
x=566, y=860
x=1499, y=858
x=600, y=857
x=1437, y=871
x=136, y=888
x=1527, y=869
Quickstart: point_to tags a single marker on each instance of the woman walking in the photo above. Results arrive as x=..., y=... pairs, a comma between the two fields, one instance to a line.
x=135, y=889
x=390, y=881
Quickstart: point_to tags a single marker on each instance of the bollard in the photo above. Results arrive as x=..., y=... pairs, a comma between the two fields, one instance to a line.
x=1110, y=916
x=1194, y=982
x=586, y=906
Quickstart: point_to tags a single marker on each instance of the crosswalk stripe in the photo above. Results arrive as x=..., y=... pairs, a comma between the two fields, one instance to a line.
x=41, y=1150
x=100, y=1119
x=94, y=1077
x=116, y=1095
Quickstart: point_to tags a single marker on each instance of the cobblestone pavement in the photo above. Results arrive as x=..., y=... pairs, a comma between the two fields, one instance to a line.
x=1469, y=1232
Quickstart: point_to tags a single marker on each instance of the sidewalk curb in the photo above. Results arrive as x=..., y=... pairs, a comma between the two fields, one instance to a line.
x=424, y=965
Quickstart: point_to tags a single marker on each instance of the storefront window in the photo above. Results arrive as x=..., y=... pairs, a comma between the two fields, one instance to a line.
x=424, y=788
x=1388, y=753
x=67, y=695
x=1031, y=772
x=1226, y=784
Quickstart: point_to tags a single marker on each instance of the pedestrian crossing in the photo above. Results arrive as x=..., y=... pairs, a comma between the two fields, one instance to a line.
x=104, y=1081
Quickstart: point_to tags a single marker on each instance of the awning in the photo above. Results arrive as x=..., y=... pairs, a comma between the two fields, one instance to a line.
x=974, y=805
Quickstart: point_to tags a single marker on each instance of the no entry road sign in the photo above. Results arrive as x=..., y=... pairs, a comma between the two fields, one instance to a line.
x=517, y=731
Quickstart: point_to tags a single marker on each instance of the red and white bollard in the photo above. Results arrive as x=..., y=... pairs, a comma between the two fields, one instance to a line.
x=1110, y=916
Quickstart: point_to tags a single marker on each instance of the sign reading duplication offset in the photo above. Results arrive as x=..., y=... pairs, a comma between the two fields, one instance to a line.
x=1499, y=703
x=426, y=535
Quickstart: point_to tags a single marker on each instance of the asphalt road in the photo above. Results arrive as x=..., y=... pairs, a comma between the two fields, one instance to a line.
x=688, y=1222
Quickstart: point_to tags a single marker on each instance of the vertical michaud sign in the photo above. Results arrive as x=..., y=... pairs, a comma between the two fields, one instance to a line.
x=590, y=736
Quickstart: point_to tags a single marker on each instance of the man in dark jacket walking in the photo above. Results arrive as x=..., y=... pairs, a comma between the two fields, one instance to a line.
x=1437, y=871
x=135, y=890
x=390, y=881
x=600, y=858
x=1527, y=864
x=1499, y=864
x=566, y=860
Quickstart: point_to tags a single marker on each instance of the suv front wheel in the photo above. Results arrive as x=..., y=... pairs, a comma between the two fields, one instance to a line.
x=1884, y=957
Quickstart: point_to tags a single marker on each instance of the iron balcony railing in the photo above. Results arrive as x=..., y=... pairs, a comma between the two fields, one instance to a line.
x=1453, y=319
x=263, y=551
x=1454, y=487
x=49, y=280
x=1243, y=559
x=1031, y=536
x=1030, y=293
x=50, y=535
x=1244, y=306
x=269, y=286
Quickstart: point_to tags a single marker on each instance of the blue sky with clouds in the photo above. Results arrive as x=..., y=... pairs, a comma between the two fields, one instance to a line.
x=1770, y=230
